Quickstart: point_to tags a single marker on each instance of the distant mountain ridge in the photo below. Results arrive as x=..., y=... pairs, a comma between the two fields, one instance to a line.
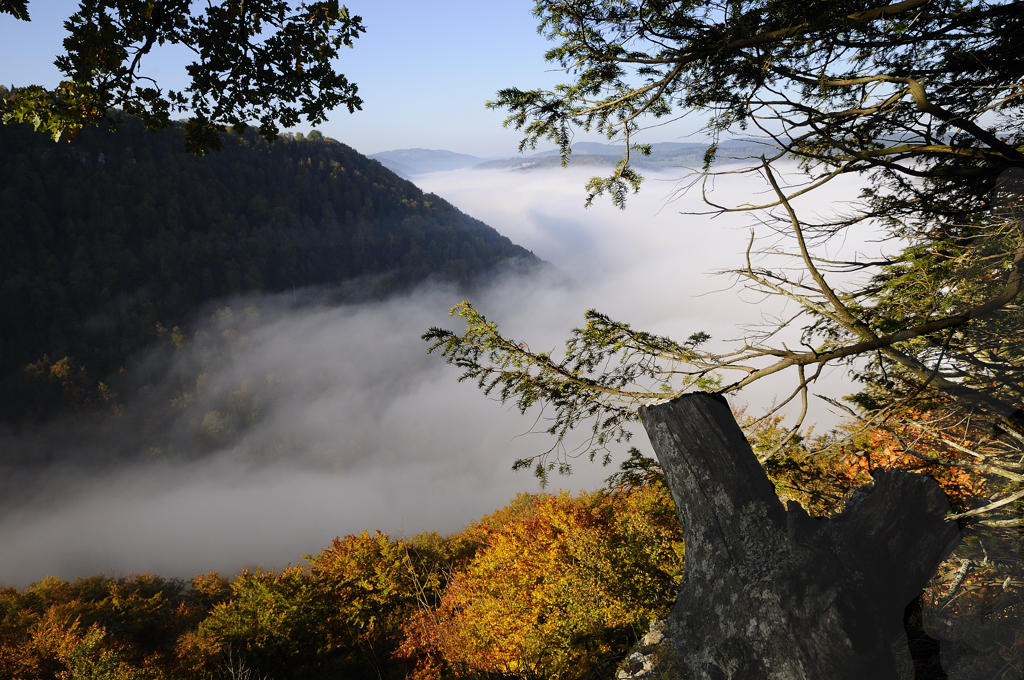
x=411, y=162
x=664, y=155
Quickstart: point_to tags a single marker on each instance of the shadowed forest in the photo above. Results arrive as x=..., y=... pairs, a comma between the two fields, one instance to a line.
x=113, y=241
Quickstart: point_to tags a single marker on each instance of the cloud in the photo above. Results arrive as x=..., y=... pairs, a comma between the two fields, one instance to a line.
x=297, y=420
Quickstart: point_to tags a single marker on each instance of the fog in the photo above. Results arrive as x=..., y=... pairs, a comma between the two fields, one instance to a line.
x=351, y=425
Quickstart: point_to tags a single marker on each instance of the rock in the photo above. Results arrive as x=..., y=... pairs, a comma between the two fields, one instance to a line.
x=653, y=658
x=771, y=593
x=656, y=634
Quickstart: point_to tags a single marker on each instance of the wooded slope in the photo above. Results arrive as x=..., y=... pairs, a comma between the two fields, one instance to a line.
x=105, y=238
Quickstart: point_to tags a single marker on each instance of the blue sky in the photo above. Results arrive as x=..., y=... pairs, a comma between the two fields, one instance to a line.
x=423, y=69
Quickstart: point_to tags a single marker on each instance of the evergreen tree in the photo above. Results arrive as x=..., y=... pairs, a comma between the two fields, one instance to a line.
x=921, y=98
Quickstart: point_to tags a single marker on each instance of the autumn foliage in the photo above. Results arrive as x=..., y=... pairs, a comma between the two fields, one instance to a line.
x=100, y=628
x=561, y=586
x=548, y=586
x=820, y=470
x=551, y=586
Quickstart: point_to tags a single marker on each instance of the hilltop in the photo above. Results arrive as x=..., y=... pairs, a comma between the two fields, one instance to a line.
x=664, y=156
x=411, y=162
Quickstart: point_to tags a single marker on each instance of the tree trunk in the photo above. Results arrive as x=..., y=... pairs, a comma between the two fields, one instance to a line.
x=772, y=593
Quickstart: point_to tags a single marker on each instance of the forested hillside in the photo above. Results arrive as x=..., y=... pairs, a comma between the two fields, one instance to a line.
x=111, y=238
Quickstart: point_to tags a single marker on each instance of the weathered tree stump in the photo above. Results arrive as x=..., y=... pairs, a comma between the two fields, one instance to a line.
x=770, y=592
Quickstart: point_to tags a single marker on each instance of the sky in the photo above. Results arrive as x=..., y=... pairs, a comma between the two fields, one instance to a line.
x=423, y=69
x=389, y=439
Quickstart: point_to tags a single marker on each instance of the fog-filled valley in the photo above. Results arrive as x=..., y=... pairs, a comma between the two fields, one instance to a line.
x=550, y=340
x=271, y=423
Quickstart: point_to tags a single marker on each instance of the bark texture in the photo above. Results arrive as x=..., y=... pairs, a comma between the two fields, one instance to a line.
x=772, y=593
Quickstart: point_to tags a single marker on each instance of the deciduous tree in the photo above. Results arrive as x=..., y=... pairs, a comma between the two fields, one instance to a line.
x=560, y=587
x=268, y=61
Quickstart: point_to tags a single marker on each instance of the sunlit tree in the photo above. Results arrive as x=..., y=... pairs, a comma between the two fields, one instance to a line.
x=560, y=587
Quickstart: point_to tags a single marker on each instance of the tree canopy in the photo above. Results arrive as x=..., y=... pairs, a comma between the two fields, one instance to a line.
x=921, y=98
x=915, y=89
x=591, y=570
x=262, y=60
